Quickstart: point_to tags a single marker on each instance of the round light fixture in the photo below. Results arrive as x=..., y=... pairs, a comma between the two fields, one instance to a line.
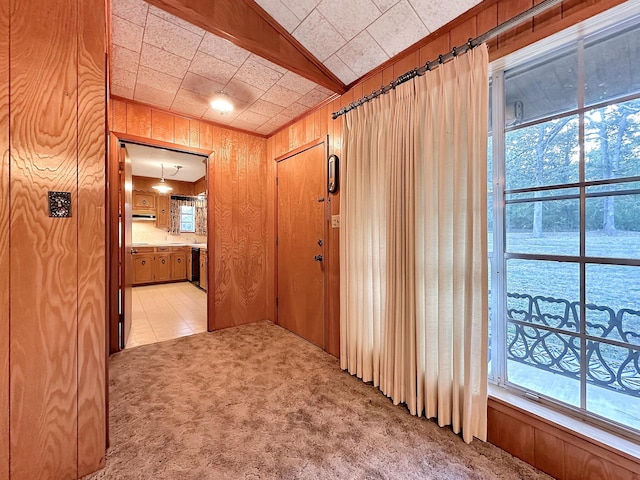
x=221, y=104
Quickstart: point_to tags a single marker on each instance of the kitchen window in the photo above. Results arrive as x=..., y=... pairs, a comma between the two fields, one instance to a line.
x=564, y=223
x=187, y=219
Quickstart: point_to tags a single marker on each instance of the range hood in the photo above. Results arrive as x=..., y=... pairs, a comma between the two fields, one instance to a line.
x=143, y=216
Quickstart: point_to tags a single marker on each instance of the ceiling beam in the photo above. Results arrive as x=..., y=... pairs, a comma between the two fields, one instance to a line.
x=246, y=24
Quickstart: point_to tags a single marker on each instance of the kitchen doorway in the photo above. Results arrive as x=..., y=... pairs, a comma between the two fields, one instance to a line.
x=161, y=243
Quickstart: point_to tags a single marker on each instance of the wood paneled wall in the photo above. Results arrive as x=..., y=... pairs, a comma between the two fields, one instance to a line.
x=52, y=280
x=145, y=184
x=237, y=185
x=478, y=20
x=555, y=450
x=4, y=239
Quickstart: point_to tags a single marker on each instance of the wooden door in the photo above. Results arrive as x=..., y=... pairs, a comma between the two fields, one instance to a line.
x=178, y=266
x=125, y=249
x=162, y=215
x=163, y=267
x=301, y=220
x=143, y=268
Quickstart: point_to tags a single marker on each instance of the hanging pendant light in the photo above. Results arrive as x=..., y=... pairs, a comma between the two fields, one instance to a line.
x=162, y=187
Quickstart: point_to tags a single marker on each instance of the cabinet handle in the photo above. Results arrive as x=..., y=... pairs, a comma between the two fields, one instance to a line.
x=144, y=262
x=179, y=260
x=163, y=261
x=144, y=202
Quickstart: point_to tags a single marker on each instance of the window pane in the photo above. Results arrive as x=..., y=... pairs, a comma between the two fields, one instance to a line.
x=186, y=209
x=613, y=383
x=612, y=141
x=543, y=154
x=548, y=228
x=544, y=362
x=544, y=293
x=613, y=302
x=613, y=226
x=546, y=88
x=612, y=65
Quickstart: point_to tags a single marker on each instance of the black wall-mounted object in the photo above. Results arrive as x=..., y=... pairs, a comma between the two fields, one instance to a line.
x=59, y=204
x=333, y=173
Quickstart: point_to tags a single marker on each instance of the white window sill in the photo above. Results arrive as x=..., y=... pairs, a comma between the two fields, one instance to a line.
x=587, y=431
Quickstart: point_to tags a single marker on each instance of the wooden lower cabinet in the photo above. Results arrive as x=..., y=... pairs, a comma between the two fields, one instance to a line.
x=160, y=264
x=203, y=269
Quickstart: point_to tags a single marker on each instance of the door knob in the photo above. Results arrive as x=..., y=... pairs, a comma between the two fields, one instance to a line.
x=318, y=258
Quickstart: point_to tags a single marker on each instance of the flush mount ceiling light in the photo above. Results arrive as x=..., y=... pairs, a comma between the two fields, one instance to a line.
x=162, y=187
x=221, y=104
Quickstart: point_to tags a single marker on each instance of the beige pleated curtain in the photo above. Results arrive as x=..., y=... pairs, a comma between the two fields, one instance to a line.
x=413, y=244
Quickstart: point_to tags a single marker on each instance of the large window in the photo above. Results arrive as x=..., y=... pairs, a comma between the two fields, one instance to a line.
x=564, y=226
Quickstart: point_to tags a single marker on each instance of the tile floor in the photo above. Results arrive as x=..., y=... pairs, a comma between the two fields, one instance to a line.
x=163, y=312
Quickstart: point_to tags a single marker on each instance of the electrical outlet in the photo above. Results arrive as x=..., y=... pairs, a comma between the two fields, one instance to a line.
x=335, y=221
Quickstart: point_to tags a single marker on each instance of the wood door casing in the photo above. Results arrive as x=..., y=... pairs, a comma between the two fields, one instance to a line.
x=126, y=254
x=301, y=191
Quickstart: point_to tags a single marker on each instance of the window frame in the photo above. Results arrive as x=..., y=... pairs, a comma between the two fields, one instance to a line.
x=499, y=256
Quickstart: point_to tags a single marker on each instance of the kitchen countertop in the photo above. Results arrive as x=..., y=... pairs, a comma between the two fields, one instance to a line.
x=201, y=246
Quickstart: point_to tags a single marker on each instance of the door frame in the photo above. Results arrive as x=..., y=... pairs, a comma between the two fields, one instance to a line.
x=113, y=202
x=325, y=228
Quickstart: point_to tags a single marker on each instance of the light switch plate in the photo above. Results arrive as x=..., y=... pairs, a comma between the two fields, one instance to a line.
x=335, y=221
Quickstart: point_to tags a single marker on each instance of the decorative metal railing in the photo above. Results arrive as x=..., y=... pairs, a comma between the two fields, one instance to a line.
x=613, y=364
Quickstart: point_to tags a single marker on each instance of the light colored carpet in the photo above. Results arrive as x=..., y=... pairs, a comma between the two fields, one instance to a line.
x=257, y=402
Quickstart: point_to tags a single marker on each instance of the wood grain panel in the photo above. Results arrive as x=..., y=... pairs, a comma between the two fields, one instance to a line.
x=271, y=223
x=194, y=133
x=4, y=239
x=91, y=237
x=510, y=434
x=118, y=115
x=552, y=15
x=138, y=120
x=400, y=66
x=430, y=51
x=43, y=255
x=460, y=34
x=206, y=136
x=182, y=132
x=581, y=465
x=162, y=126
x=508, y=9
x=144, y=184
x=549, y=454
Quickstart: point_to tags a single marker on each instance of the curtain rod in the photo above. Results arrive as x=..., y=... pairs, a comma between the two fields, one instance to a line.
x=455, y=51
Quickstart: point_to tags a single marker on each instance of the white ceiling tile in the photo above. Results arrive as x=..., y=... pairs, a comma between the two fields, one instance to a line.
x=212, y=68
x=314, y=97
x=124, y=59
x=258, y=75
x=280, y=95
x=301, y=8
x=265, y=108
x=265, y=129
x=134, y=11
x=190, y=103
x=161, y=81
x=223, y=49
x=279, y=120
x=175, y=20
x=170, y=37
x=280, y=13
x=436, y=15
x=295, y=82
x=349, y=18
x=121, y=91
x=123, y=78
x=362, y=54
x=153, y=96
x=269, y=64
x=242, y=91
x=385, y=5
x=318, y=36
x=340, y=69
x=166, y=62
x=249, y=127
x=126, y=34
x=399, y=28
x=252, y=117
x=294, y=110
x=201, y=85
x=214, y=116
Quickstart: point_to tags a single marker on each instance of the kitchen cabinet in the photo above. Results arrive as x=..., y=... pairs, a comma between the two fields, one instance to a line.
x=143, y=269
x=163, y=211
x=179, y=266
x=144, y=202
x=203, y=269
x=160, y=264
